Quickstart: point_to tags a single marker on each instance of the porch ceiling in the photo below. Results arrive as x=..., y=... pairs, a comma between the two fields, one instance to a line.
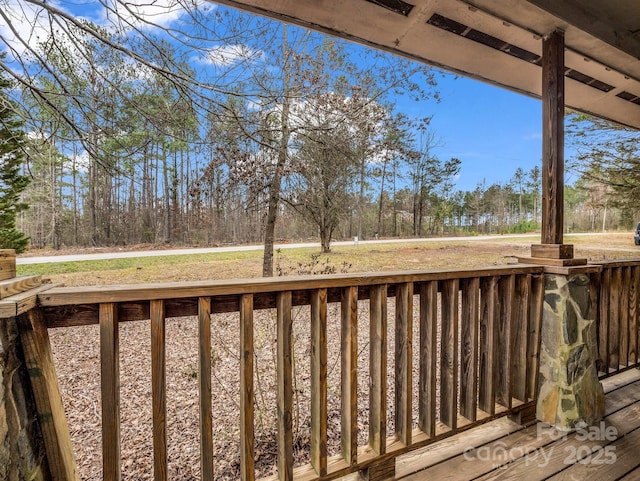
x=497, y=41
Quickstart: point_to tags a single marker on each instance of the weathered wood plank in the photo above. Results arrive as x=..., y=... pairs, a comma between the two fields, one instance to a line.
x=625, y=273
x=428, y=357
x=285, y=386
x=614, y=318
x=603, y=321
x=552, y=138
x=16, y=285
x=204, y=372
x=619, y=262
x=475, y=462
x=488, y=344
x=60, y=296
x=594, y=308
x=247, y=436
x=506, y=295
x=634, y=285
x=455, y=445
x=17, y=304
x=159, y=390
x=319, y=381
x=449, y=354
x=38, y=357
x=349, y=374
x=110, y=385
x=538, y=465
x=552, y=251
x=536, y=303
x=403, y=362
x=378, y=369
x=520, y=336
x=469, y=348
x=7, y=266
x=621, y=456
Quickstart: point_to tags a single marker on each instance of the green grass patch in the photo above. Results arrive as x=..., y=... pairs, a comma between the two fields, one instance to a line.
x=53, y=268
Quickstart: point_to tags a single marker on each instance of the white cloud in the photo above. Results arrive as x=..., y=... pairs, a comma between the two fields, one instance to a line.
x=227, y=55
x=27, y=24
x=141, y=14
x=533, y=136
x=31, y=24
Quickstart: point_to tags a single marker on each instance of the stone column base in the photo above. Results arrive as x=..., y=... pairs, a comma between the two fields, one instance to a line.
x=570, y=394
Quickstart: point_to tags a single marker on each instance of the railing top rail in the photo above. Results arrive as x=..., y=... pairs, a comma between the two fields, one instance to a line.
x=61, y=296
x=617, y=263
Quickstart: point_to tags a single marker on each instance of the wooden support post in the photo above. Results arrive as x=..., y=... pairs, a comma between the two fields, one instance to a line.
x=552, y=250
x=553, y=138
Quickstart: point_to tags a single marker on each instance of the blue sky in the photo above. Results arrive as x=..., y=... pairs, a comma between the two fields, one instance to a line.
x=493, y=131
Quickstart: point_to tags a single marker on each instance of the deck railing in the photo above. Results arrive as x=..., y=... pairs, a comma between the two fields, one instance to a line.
x=615, y=302
x=478, y=340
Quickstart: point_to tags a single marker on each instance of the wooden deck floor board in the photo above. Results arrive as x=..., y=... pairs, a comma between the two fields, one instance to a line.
x=631, y=476
x=435, y=453
x=538, y=452
x=599, y=467
x=557, y=456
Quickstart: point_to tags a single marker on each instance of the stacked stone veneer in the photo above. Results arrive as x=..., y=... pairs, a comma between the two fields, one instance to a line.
x=22, y=455
x=570, y=394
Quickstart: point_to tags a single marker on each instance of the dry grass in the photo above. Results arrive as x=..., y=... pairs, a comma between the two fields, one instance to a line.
x=76, y=352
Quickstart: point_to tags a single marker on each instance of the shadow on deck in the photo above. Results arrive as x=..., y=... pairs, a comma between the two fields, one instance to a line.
x=504, y=450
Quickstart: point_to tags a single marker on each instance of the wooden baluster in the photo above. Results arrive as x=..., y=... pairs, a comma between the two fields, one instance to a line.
x=615, y=293
x=603, y=325
x=506, y=293
x=625, y=293
x=428, y=357
x=469, y=348
x=158, y=390
x=520, y=336
x=634, y=315
x=403, y=364
x=319, y=381
x=204, y=374
x=247, y=450
x=349, y=374
x=378, y=369
x=488, y=343
x=595, y=279
x=533, y=344
x=449, y=354
x=285, y=386
x=110, y=382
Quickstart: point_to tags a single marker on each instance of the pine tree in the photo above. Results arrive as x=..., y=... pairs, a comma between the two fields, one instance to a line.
x=12, y=183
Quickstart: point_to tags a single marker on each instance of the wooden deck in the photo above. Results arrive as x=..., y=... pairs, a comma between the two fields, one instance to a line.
x=503, y=450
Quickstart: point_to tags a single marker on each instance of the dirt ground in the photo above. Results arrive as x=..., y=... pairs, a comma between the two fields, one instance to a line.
x=76, y=352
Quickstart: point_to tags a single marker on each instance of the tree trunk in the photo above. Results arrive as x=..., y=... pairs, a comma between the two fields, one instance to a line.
x=325, y=239
x=276, y=182
x=166, y=231
x=361, y=196
x=380, y=228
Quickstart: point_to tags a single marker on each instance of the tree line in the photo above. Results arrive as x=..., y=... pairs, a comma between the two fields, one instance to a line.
x=238, y=129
